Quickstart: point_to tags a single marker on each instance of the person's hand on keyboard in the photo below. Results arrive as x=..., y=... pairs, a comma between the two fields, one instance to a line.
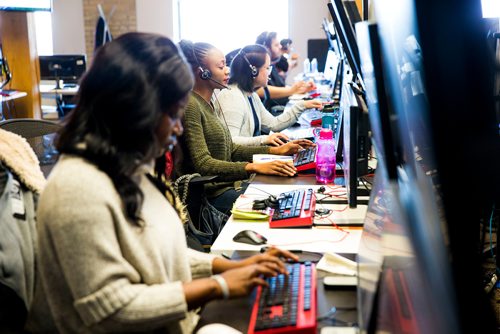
x=275, y=167
x=277, y=139
x=272, y=257
x=292, y=147
x=313, y=104
x=241, y=281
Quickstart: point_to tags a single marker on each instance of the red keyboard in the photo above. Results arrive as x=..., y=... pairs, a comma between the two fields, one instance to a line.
x=295, y=209
x=288, y=305
x=305, y=159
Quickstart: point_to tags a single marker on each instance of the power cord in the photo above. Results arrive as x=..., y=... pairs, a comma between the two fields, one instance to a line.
x=330, y=316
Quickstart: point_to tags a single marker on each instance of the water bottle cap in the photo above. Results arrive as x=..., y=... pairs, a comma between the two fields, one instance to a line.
x=326, y=134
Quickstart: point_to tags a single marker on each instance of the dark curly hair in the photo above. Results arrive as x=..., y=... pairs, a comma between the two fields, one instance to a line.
x=132, y=82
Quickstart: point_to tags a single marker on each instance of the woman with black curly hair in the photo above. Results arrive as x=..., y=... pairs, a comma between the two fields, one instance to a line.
x=112, y=249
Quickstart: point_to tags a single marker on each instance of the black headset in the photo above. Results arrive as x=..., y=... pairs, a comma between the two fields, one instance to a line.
x=270, y=202
x=205, y=73
x=254, y=71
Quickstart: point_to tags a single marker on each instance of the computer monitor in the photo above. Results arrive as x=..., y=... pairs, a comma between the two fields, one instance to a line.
x=432, y=83
x=352, y=138
x=356, y=143
x=492, y=31
x=389, y=270
x=68, y=68
x=353, y=12
x=335, y=56
x=345, y=33
x=380, y=111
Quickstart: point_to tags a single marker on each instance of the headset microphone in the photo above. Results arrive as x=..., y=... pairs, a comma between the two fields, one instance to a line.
x=219, y=83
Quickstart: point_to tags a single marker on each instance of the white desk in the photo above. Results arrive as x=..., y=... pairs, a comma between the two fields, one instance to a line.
x=52, y=99
x=51, y=89
x=315, y=239
x=12, y=96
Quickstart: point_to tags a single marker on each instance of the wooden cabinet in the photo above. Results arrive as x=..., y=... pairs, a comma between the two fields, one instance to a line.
x=17, y=35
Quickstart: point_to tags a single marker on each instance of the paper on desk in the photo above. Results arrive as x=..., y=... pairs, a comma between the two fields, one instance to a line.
x=242, y=210
x=337, y=264
x=261, y=158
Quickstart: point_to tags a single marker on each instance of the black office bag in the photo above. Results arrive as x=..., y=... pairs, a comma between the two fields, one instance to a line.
x=208, y=220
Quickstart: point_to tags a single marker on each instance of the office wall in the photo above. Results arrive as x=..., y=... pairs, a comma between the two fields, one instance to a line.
x=158, y=16
x=67, y=26
x=305, y=23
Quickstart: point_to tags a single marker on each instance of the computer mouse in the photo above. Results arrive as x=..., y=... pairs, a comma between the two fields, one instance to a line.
x=249, y=237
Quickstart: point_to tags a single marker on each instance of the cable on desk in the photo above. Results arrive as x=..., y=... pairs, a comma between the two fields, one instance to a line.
x=364, y=184
x=330, y=316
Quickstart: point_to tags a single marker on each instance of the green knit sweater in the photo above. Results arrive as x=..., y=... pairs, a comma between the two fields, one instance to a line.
x=209, y=150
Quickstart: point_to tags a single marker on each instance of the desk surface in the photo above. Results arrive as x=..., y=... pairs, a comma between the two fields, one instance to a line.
x=12, y=96
x=236, y=312
x=51, y=89
x=315, y=239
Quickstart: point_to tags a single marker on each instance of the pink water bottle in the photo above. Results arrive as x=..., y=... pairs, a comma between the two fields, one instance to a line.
x=325, y=157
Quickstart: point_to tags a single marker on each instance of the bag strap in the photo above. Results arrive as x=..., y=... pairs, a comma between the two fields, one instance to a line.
x=183, y=183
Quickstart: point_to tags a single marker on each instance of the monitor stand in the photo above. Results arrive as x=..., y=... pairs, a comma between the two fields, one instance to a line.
x=58, y=83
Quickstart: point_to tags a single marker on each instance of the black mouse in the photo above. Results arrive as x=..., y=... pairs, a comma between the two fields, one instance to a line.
x=249, y=237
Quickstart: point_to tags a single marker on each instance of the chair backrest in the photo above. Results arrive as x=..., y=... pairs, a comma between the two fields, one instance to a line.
x=29, y=127
x=39, y=133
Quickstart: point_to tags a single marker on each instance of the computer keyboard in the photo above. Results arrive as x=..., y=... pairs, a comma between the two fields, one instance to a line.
x=289, y=304
x=305, y=159
x=294, y=209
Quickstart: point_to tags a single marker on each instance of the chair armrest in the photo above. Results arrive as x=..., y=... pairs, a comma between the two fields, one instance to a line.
x=203, y=179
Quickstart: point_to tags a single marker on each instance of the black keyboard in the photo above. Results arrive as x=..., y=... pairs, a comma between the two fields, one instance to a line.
x=305, y=159
x=289, y=304
x=295, y=209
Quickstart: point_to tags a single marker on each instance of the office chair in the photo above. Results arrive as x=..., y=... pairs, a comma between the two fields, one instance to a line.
x=39, y=133
x=29, y=127
x=205, y=221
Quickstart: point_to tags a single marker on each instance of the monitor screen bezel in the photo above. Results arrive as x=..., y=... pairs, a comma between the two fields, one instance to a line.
x=26, y=5
x=347, y=37
x=47, y=74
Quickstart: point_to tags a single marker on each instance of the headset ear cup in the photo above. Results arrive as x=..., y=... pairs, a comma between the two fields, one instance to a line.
x=205, y=74
x=259, y=205
x=254, y=71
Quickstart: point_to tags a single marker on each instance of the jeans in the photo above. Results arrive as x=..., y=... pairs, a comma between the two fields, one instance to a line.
x=224, y=202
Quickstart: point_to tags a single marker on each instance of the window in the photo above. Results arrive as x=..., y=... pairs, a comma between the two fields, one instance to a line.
x=491, y=8
x=43, y=28
x=231, y=24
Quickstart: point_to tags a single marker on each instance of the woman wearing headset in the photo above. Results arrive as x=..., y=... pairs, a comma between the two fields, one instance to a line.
x=277, y=88
x=112, y=252
x=207, y=145
x=243, y=110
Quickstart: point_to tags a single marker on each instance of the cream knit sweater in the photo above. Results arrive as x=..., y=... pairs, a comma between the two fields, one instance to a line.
x=101, y=273
x=239, y=116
